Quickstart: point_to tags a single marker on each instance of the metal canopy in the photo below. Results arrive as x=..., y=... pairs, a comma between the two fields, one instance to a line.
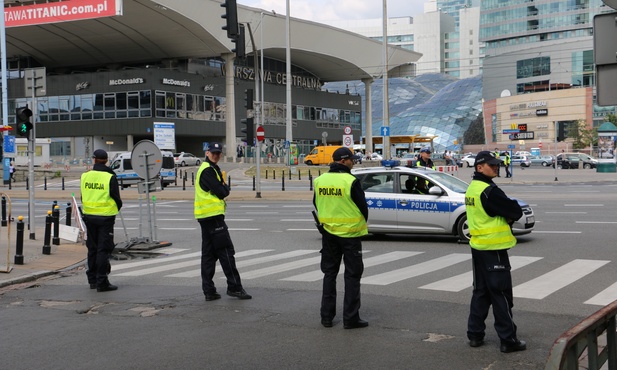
x=157, y=30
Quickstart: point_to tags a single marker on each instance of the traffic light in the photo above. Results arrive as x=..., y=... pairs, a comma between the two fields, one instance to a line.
x=231, y=16
x=248, y=99
x=249, y=130
x=562, y=131
x=240, y=42
x=23, y=125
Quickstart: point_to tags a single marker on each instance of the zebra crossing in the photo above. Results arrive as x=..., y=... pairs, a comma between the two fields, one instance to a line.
x=180, y=263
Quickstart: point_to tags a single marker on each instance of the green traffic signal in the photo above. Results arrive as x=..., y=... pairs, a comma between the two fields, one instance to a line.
x=23, y=124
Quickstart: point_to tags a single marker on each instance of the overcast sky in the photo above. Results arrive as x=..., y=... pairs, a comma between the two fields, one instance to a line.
x=327, y=10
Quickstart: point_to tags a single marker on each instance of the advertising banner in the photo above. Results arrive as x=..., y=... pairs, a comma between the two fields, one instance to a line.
x=65, y=11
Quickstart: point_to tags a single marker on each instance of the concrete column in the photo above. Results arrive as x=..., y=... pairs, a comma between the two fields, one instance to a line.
x=368, y=109
x=130, y=142
x=230, y=108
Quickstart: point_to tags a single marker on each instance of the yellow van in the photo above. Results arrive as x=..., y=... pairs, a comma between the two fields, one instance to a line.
x=320, y=155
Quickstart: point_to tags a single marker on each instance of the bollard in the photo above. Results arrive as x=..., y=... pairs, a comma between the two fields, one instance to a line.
x=310, y=182
x=45, y=183
x=62, y=182
x=4, y=223
x=46, y=246
x=193, y=178
x=229, y=181
x=319, y=172
x=69, y=213
x=299, y=177
x=283, y=181
x=122, y=183
x=266, y=174
x=19, y=243
x=254, y=181
x=56, y=217
x=274, y=175
x=10, y=184
x=184, y=182
x=290, y=174
x=27, y=183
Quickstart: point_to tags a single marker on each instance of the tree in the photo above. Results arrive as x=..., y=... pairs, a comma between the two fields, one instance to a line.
x=582, y=135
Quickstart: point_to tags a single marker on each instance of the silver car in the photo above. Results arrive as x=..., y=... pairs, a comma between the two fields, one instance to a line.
x=186, y=159
x=399, y=202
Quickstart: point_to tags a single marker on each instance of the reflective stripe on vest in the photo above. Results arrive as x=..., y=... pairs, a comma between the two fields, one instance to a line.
x=95, y=196
x=487, y=233
x=207, y=204
x=337, y=211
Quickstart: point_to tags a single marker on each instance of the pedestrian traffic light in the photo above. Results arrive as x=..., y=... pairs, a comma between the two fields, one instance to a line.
x=23, y=124
x=249, y=130
x=231, y=16
x=240, y=42
x=248, y=99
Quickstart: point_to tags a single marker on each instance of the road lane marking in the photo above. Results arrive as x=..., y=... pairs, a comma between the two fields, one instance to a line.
x=549, y=283
x=254, y=261
x=368, y=262
x=409, y=272
x=605, y=297
x=465, y=280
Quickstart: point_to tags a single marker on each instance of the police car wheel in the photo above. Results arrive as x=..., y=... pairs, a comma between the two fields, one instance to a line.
x=462, y=228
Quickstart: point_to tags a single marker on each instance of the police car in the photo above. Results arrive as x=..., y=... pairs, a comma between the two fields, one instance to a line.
x=416, y=200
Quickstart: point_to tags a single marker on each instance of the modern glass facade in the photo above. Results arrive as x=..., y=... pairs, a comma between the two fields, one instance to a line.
x=428, y=105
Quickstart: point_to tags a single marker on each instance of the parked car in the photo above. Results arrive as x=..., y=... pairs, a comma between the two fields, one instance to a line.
x=396, y=207
x=573, y=160
x=520, y=160
x=186, y=159
x=545, y=160
x=375, y=157
x=468, y=160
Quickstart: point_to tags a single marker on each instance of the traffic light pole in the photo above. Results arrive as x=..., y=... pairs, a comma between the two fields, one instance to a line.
x=31, y=148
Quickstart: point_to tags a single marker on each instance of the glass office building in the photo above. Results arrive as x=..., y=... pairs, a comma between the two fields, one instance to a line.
x=429, y=105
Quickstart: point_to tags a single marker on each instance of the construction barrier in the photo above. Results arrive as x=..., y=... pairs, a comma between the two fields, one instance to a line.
x=452, y=170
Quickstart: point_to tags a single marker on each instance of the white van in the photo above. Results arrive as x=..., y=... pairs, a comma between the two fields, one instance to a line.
x=122, y=166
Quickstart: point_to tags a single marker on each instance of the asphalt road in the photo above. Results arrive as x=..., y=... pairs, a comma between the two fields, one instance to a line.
x=415, y=294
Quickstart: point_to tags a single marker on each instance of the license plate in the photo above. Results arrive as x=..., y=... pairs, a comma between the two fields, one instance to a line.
x=530, y=220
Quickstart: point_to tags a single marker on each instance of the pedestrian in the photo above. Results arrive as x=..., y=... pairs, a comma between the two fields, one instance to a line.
x=216, y=245
x=424, y=160
x=101, y=202
x=342, y=211
x=496, y=153
x=490, y=214
x=448, y=157
x=506, y=163
x=11, y=171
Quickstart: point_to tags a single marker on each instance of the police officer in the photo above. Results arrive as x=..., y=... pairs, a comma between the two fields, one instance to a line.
x=424, y=160
x=342, y=209
x=489, y=214
x=506, y=162
x=216, y=244
x=100, y=197
x=496, y=153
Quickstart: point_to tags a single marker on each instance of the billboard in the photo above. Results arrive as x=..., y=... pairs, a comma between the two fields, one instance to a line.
x=56, y=12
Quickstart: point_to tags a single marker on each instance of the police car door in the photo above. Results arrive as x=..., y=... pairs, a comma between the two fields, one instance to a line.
x=379, y=190
x=418, y=211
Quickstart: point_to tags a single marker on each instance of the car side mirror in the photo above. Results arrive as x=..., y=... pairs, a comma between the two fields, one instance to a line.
x=435, y=190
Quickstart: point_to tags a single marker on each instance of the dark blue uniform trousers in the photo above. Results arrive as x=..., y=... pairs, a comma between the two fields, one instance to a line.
x=334, y=249
x=492, y=285
x=216, y=245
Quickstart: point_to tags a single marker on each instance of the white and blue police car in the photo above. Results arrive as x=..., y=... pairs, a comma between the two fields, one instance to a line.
x=417, y=200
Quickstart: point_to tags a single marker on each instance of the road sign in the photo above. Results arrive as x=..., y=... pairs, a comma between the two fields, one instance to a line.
x=540, y=145
x=260, y=133
x=385, y=130
x=348, y=141
x=511, y=146
x=522, y=136
x=347, y=130
x=513, y=131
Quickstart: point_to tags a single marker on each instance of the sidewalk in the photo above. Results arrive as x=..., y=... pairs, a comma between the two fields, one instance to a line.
x=69, y=255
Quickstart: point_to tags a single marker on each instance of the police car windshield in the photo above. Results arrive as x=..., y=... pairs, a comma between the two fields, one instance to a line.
x=453, y=183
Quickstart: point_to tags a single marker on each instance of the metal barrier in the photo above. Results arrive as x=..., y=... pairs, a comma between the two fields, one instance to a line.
x=581, y=342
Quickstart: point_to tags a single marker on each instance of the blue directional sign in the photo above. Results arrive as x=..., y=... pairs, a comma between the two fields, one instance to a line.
x=286, y=144
x=516, y=131
x=511, y=146
x=9, y=144
x=385, y=130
